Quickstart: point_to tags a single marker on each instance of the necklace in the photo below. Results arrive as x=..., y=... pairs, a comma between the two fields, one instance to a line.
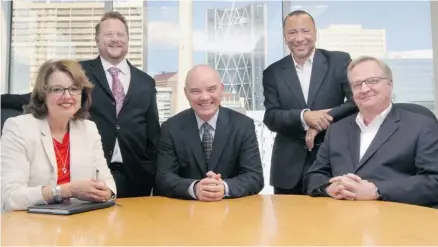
x=63, y=160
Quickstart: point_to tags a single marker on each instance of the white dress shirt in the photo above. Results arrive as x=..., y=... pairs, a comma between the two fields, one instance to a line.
x=125, y=78
x=212, y=123
x=304, y=73
x=368, y=132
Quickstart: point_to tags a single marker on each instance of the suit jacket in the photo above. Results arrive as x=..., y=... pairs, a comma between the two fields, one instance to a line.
x=28, y=159
x=136, y=127
x=235, y=155
x=402, y=159
x=284, y=102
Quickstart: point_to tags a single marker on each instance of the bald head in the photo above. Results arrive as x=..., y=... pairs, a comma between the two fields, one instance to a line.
x=202, y=72
x=203, y=89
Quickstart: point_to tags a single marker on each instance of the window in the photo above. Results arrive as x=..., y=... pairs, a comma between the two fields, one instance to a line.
x=239, y=38
x=405, y=44
x=42, y=31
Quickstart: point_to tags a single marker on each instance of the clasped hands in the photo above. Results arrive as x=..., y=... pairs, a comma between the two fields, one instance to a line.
x=211, y=188
x=317, y=122
x=89, y=190
x=351, y=187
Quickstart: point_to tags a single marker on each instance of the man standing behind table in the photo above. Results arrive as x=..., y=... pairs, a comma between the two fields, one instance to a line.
x=208, y=152
x=304, y=93
x=383, y=152
x=124, y=109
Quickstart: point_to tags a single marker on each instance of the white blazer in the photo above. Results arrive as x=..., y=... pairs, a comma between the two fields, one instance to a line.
x=28, y=159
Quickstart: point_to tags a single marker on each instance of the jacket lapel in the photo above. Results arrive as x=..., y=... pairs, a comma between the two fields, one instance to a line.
x=191, y=131
x=134, y=83
x=387, y=129
x=76, y=152
x=46, y=139
x=292, y=80
x=220, y=138
x=319, y=70
x=354, y=142
x=100, y=76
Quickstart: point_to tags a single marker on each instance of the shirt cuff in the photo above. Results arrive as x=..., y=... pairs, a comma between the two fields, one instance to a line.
x=305, y=126
x=227, y=189
x=42, y=201
x=191, y=190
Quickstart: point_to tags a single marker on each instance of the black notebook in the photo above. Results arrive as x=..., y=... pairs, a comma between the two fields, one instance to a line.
x=69, y=207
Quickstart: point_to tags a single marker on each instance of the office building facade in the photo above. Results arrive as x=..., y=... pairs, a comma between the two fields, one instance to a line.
x=51, y=30
x=242, y=62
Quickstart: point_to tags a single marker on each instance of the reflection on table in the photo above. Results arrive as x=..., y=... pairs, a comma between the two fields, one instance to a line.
x=255, y=220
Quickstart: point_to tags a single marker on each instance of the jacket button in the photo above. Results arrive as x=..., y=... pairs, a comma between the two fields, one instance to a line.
x=118, y=127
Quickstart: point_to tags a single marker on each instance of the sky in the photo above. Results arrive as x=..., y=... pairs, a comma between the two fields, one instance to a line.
x=407, y=25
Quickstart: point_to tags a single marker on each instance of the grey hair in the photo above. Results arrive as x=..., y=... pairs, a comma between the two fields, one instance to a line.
x=386, y=70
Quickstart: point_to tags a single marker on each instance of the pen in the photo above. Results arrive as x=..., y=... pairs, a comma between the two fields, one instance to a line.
x=97, y=174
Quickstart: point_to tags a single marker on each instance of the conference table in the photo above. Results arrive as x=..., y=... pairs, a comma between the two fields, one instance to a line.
x=265, y=220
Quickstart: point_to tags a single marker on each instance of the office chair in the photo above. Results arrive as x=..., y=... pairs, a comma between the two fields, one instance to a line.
x=12, y=105
x=415, y=108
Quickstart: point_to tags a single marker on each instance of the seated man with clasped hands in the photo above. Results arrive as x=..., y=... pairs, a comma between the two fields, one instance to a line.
x=208, y=152
x=381, y=153
x=52, y=152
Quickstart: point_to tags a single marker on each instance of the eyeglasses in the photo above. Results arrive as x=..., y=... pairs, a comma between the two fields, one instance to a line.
x=369, y=81
x=73, y=90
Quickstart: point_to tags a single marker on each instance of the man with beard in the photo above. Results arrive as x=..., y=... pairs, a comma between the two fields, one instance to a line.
x=124, y=109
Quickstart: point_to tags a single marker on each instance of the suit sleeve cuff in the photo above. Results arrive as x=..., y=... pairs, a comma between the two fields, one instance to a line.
x=191, y=190
x=305, y=126
x=320, y=191
x=227, y=189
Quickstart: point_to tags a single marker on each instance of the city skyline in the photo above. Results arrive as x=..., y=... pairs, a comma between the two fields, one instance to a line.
x=396, y=25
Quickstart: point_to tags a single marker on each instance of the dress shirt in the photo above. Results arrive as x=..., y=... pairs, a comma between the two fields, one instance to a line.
x=212, y=123
x=304, y=73
x=125, y=78
x=368, y=132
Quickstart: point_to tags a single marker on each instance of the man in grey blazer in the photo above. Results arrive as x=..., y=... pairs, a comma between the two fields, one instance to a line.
x=381, y=153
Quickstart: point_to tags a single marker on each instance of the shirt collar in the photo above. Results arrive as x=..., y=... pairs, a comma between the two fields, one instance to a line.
x=308, y=61
x=212, y=120
x=379, y=118
x=122, y=66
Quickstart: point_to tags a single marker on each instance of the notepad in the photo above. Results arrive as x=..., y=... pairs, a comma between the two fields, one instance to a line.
x=69, y=207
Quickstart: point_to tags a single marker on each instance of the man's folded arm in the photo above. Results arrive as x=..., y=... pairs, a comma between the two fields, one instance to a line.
x=348, y=107
x=277, y=119
x=317, y=177
x=167, y=181
x=250, y=179
x=422, y=188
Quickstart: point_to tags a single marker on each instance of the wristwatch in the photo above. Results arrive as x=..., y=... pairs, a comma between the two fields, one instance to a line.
x=56, y=193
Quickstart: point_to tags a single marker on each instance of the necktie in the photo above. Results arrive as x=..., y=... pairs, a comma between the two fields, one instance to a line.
x=117, y=88
x=207, y=141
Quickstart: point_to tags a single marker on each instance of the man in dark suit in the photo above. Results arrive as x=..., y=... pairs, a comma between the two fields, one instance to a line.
x=384, y=151
x=304, y=93
x=124, y=109
x=208, y=152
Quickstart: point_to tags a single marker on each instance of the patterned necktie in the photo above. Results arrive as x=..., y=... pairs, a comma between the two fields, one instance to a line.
x=117, y=88
x=207, y=141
